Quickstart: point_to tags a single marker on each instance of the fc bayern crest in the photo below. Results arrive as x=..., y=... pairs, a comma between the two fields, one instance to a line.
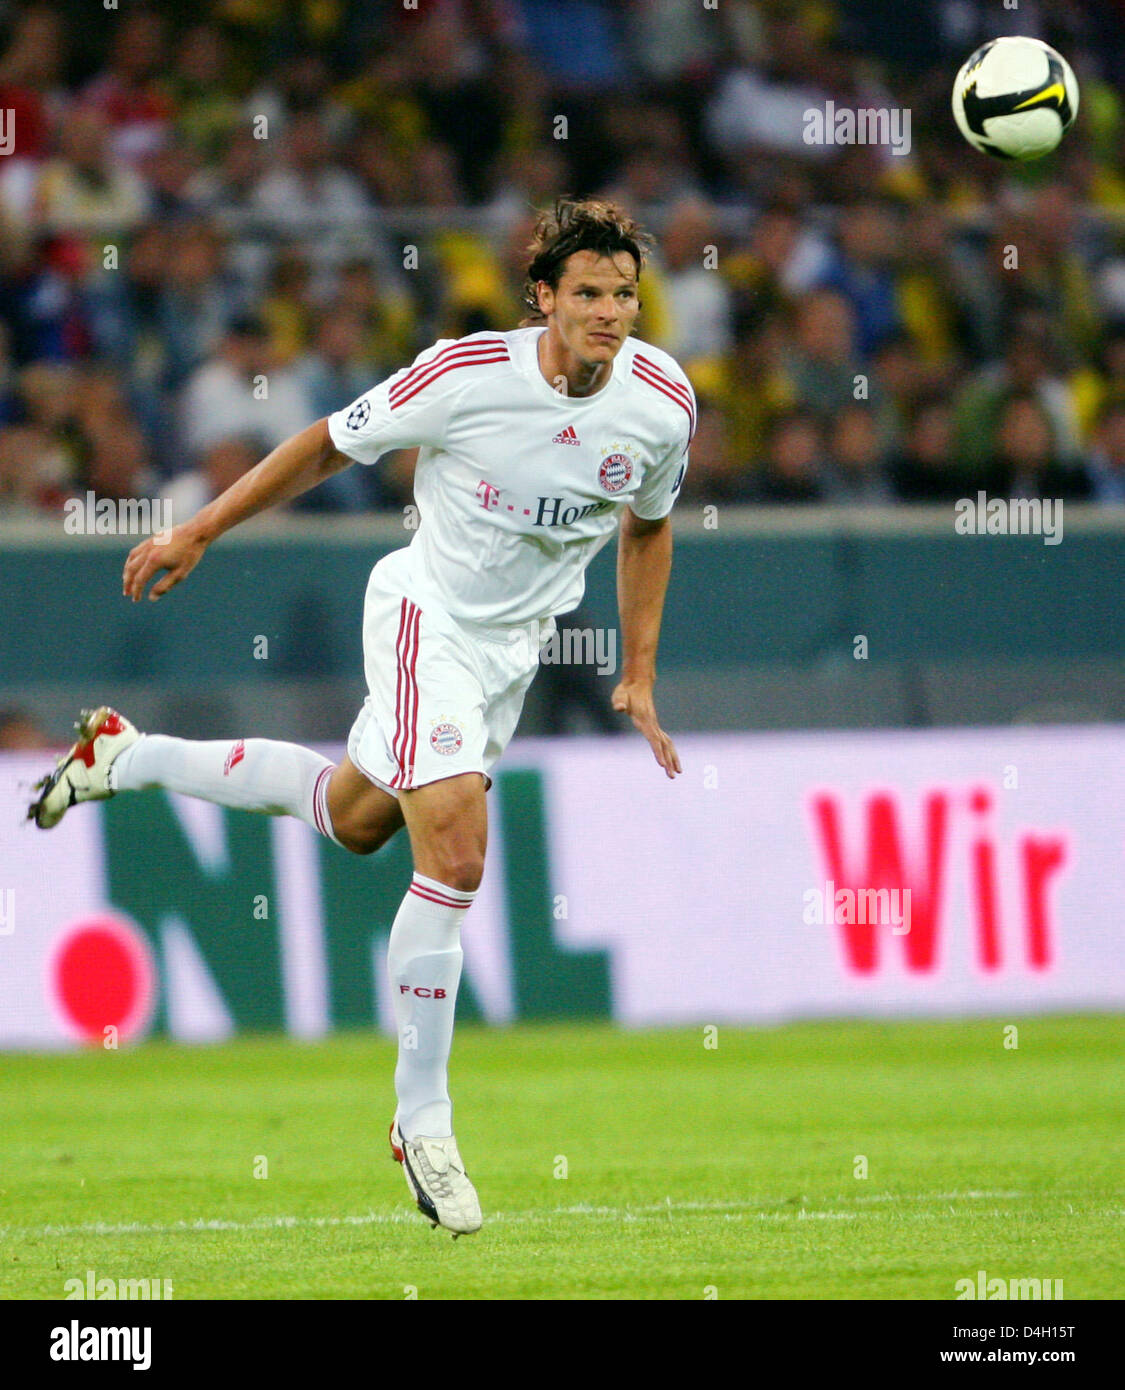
x=615, y=472
x=446, y=739
x=359, y=414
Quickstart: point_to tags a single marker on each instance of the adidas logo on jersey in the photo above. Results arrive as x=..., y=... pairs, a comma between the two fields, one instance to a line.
x=567, y=436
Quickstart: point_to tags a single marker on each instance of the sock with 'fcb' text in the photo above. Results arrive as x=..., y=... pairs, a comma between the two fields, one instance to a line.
x=424, y=960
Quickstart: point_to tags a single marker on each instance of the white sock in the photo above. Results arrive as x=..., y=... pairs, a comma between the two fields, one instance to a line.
x=424, y=959
x=252, y=774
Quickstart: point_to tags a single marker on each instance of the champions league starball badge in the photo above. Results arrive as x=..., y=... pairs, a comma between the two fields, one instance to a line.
x=359, y=414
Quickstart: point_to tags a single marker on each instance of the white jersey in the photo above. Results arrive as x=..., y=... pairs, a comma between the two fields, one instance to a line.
x=519, y=486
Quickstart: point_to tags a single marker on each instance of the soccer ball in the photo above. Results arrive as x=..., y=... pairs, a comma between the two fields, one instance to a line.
x=1015, y=98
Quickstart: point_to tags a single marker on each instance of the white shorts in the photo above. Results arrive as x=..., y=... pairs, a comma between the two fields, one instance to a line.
x=444, y=695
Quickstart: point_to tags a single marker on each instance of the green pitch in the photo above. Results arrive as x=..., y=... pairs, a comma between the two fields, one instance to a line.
x=609, y=1165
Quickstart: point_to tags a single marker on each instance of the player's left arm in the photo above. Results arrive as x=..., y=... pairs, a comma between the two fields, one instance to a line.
x=644, y=562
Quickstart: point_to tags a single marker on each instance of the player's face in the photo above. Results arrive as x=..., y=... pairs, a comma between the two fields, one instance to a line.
x=595, y=305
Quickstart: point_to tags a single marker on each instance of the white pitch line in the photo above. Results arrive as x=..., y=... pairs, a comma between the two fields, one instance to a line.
x=665, y=1208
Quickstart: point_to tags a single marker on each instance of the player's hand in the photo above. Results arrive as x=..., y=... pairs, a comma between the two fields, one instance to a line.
x=634, y=698
x=178, y=551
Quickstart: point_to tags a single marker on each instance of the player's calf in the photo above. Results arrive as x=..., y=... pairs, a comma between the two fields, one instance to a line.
x=363, y=816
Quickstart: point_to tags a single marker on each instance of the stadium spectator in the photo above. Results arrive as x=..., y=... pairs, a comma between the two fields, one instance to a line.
x=35, y=471
x=131, y=94
x=760, y=107
x=50, y=434
x=119, y=466
x=927, y=469
x=30, y=87
x=222, y=464
x=856, y=467
x=862, y=269
x=1026, y=463
x=207, y=112
x=196, y=301
x=1026, y=369
x=902, y=379
x=794, y=464
x=716, y=474
x=8, y=400
x=334, y=372
x=225, y=395
x=86, y=189
x=308, y=190
x=1106, y=468
x=756, y=387
x=698, y=298
x=820, y=358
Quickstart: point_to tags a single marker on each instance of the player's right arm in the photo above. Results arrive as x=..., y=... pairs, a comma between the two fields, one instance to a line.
x=295, y=466
x=411, y=407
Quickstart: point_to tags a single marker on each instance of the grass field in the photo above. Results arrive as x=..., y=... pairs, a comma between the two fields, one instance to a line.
x=730, y=1169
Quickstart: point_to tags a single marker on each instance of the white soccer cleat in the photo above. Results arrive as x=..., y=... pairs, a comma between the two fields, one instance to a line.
x=436, y=1178
x=82, y=774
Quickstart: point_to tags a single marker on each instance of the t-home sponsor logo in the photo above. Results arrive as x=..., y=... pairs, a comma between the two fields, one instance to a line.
x=1010, y=516
x=839, y=125
x=105, y=1288
x=118, y=516
x=842, y=907
x=982, y=1287
x=7, y=131
x=77, y=1343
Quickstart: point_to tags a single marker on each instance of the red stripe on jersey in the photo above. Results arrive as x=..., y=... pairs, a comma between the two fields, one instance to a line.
x=659, y=371
x=490, y=344
x=433, y=897
x=470, y=357
x=666, y=388
x=474, y=361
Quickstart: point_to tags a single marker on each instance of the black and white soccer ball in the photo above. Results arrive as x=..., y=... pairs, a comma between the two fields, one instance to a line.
x=1015, y=98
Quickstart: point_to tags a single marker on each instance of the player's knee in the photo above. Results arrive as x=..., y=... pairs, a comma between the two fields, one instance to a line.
x=359, y=844
x=461, y=871
x=358, y=836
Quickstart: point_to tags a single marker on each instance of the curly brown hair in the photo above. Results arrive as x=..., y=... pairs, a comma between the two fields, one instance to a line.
x=578, y=224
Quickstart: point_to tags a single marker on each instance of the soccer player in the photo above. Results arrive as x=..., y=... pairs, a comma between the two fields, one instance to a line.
x=533, y=444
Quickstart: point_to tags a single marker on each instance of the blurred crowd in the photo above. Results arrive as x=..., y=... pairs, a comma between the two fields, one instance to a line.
x=219, y=222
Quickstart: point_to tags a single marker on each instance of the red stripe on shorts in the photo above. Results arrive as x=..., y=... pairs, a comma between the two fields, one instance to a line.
x=406, y=694
x=413, y=724
x=316, y=801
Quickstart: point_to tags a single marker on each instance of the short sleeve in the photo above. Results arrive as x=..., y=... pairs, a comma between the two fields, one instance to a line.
x=661, y=484
x=410, y=408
